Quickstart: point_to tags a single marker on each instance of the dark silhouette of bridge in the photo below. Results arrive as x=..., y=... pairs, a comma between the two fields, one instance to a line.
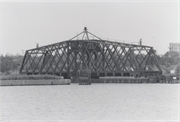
x=86, y=51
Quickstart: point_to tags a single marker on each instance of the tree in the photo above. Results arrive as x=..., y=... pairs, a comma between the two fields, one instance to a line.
x=170, y=58
x=6, y=63
x=10, y=63
x=178, y=69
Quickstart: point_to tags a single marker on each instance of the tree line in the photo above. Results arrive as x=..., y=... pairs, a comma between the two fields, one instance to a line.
x=10, y=63
x=169, y=61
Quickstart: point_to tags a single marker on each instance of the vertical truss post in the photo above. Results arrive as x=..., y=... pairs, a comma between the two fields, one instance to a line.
x=23, y=63
x=68, y=73
x=155, y=60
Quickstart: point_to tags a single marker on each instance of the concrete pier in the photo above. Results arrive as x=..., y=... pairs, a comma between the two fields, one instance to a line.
x=35, y=82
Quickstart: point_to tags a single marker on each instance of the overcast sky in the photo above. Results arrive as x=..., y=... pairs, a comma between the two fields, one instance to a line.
x=26, y=23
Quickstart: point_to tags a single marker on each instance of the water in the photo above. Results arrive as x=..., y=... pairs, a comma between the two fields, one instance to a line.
x=89, y=102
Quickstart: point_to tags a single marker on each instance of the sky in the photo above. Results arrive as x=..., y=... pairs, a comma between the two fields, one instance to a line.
x=24, y=24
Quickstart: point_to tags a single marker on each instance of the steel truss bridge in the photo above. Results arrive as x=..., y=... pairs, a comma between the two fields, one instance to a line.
x=100, y=57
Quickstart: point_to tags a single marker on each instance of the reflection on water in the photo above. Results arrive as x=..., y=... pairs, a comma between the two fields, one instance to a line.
x=90, y=102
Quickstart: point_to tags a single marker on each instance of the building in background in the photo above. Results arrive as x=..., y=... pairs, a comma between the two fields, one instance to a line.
x=174, y=47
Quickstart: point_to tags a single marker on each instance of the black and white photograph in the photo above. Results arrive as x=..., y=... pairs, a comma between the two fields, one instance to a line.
x=89, y=61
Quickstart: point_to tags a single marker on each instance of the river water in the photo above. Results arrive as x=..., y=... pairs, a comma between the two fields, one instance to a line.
x=95, y=102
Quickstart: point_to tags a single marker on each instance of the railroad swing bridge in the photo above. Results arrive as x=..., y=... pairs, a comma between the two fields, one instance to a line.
x=87, y=52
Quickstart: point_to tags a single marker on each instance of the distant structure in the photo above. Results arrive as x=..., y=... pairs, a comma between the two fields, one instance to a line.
x=174, y=47
x=86, y=51
x=140, y=42
x=37, y=45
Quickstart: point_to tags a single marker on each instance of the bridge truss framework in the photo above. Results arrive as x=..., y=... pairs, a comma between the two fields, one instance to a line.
x=100, y=57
